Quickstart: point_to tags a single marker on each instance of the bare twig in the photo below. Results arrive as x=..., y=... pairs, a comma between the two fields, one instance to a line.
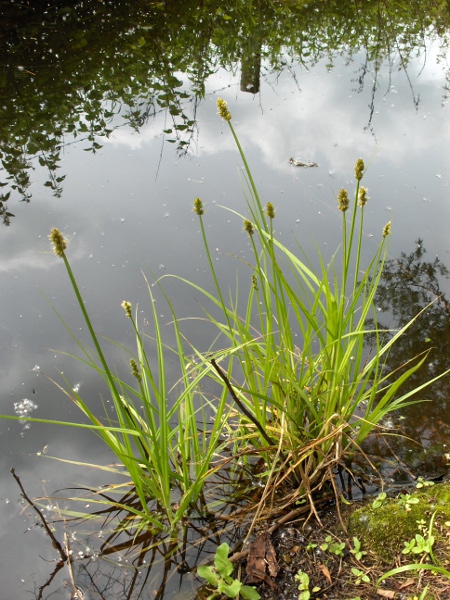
x=55, y=542
x=242, y=407
x=77, y=593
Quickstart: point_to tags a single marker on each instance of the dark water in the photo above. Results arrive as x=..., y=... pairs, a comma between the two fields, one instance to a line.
x=109, y=131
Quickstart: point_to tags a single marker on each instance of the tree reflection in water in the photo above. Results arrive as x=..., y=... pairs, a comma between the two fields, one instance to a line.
x=112, y=556
x=75, y=71
x=408, y=285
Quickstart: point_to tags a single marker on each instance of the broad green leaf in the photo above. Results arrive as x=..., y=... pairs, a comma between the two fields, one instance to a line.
x=209, y=574
x=221, y=560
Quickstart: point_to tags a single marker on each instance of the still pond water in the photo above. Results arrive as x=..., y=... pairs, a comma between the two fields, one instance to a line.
x=134, y=150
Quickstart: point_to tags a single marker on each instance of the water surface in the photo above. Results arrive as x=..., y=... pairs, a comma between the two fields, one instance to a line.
x=109, y=131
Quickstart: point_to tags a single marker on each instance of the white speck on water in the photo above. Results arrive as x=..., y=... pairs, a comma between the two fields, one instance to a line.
x=166, y=214
x=438, y=176
x=36, y=368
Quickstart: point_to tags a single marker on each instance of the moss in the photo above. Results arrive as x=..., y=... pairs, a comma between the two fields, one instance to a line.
x=385, y=529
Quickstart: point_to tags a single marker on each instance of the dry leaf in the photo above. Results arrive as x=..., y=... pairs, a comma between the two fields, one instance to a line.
x=326, y=572
x=386, y=593
x=407, y=583
x=262, y=560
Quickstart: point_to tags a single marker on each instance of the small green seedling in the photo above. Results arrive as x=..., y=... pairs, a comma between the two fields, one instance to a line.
x=333, y=547
x=406, y=500
x=357, y=550
x=303, y=586
x=219, y=577
x=426, y=547
x=379, y=500
x=310, y=546
x=418, y=545
x=360, y=576
x=422, y=483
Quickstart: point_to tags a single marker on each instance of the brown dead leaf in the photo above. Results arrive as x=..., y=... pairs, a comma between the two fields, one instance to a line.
x=262, y=560
x=386, y=593
x=326, y=572
x=408, y=583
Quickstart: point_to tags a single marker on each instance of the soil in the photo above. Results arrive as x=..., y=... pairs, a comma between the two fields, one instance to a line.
x=334, y=571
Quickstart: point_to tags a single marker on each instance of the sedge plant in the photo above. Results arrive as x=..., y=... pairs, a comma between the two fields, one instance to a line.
x=159, y=431
x=305, y=386
x=305, y=390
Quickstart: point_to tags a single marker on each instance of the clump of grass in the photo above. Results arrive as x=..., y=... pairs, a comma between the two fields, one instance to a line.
x=303, y=405
x=165, y=446
x=314, y=400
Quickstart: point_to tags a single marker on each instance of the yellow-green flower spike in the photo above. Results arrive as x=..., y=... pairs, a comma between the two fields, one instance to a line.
x=387, y=229
x=343, y=200
x=248, y=227
x=270, y=210
x=362, y=196
x=127, y=308
x=223, y=109
x=198, y=207
x=359, y=169
x=135, y=369
x=58, y=241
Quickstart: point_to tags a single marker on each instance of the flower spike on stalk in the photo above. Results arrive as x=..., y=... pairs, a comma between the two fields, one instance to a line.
x=58, y=241
x=135, y=369
x=387, y=229
x=127, y=308
x=343, y=200
x=224, y=111
x=198, y=207
x=270, y=210
x=248, y=227
x=359, y=169
x=362, y=196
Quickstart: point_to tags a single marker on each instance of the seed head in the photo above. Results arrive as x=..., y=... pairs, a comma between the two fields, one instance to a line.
x=255, y=282
x=58, y=241
x=270, y=210
x=223, y=109
x=198, y=207
x=387, y=229
x=248, y=227
x=362, y=196
x=127, y=308
x=359, y=169
x=343, y=201
x=135, y=369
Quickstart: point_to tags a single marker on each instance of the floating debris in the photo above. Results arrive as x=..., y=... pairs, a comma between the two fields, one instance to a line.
x=299, y=162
